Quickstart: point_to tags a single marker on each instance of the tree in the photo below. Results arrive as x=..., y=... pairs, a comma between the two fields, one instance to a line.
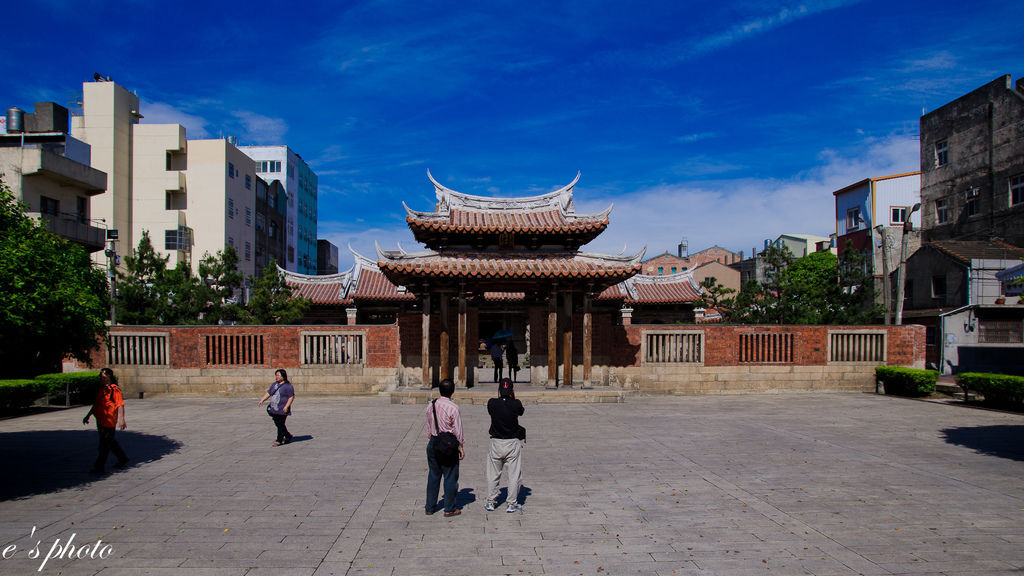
x=53, y=301
x=220, y=287
x=139, y=294
x=271, y=301
x=715, y=295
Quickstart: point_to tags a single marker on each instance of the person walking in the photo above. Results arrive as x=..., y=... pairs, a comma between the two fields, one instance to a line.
x=443, y=415
x=512, y=353
x=496, y=352
x=281, y=394
x=108, y=407
x=507, y=438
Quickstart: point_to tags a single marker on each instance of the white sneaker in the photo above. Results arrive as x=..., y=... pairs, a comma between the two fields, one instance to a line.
x=513, y=507
x=489, y=507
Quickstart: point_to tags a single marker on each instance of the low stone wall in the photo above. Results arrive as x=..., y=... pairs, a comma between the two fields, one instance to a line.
x=253, y=382
x=687, y=380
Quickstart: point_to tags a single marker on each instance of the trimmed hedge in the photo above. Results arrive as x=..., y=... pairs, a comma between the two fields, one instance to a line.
x=999, y=390
x=901, y=381
x=18, y=394
x=81, y=385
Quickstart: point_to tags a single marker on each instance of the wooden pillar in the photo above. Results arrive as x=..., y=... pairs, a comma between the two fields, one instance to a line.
x=426, y=341
x=553, y=338
x=567, y=342
x=446, y=366
x=462, y=379
x=588, y=338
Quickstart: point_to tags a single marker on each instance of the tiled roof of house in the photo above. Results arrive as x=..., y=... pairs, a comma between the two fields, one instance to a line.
x=966, y=250
x=678, y=288
x=510, y=265
x=373, y=285
x=321, y=290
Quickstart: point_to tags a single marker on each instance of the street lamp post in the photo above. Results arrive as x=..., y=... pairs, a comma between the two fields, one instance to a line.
x=901, y=281
x=886, y=281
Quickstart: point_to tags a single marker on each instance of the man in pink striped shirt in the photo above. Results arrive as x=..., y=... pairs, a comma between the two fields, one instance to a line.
x=449, y=419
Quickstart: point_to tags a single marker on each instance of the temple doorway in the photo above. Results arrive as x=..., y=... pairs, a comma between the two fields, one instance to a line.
x=501, y=332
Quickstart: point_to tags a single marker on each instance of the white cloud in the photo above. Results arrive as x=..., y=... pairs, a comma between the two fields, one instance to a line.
x=160, y=113
x=260, y=129
x=739, y=214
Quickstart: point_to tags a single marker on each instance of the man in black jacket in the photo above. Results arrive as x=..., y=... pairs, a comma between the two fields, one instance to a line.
x=507, y=438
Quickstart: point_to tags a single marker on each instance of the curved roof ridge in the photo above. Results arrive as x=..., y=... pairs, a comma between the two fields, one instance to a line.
x=314, y=278
x=560, y=199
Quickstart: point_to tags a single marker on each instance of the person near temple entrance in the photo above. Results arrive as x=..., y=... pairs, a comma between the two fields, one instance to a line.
x=449, y=419
x=507, y=438
x=512, y=353
x=497, y=351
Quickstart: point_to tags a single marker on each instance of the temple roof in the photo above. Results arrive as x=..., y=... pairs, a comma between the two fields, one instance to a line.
x=321, y=290
x=548, y=214
x=509, y=265
x=678, y=288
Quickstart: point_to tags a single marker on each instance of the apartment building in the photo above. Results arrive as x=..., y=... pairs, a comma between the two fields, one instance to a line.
x=282, y=164
x=49, y=170
x=972, y=165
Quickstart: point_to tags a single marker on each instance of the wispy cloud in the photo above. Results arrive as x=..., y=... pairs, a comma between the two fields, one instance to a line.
x=740, y=213
x=260, y=129
x=762, y=24
x=162, y=113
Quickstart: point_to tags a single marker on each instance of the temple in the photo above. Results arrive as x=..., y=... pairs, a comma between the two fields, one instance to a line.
x=512, y=266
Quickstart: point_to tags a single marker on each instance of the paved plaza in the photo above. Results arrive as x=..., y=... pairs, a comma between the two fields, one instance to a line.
x=826, y=484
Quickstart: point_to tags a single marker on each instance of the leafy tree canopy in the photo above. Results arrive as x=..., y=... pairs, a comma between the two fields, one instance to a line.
x=53, y=301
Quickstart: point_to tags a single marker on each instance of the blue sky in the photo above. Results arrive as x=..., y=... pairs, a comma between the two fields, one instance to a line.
x=723, y=123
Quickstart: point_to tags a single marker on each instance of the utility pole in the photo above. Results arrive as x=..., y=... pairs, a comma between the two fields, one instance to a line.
x=886, y=281
x=901, y=281
x=112, y=262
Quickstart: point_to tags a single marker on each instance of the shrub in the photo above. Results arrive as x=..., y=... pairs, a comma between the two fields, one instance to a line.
x=907, y=381
x=999, y=390
x=81, y=385
x=17, y=394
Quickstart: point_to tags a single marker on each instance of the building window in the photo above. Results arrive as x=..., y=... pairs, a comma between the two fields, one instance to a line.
x=291, y=254
x=660, y=270
x=248, y=216
x=898, y=215
x=1017, y=190
x=49, y=206
x=931, y=334
x=941, y=153
x=231, y=241
x=853, y=219
x=178, y=239
x=261, y=222
x=939, y=287
x=971, y=201
x=673, y=270
x=82, y=209
x=231, y=207
x=248, y=251
x=1000, y=331
x=942, y=211
x=231, y=170
x=248, y=182
x=291, y=170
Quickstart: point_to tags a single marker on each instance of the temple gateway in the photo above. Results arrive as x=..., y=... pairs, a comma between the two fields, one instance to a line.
x=510, y=268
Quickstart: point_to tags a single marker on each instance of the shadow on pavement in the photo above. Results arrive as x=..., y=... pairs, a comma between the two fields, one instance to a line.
x=1001, y=441
x=43, y=461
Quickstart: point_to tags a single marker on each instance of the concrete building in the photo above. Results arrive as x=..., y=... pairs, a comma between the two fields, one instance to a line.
x=682, y=260
x=803, y=244
x=49, y=170
x=870, y=217
x=972, y=166
x=955, y=288
x=326, y=257
x=725, y=275
x=282, y=164
x=107, y=121
x=271, y=204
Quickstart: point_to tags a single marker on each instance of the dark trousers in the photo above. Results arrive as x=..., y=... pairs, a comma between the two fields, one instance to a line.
x=282, y=431
x=108, y=444
x=451, y=480
x=497, y=369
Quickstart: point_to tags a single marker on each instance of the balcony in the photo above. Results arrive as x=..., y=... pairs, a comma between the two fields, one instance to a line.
x=38, y=162
x=72, y=229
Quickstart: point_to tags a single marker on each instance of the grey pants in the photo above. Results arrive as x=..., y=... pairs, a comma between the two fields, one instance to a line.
x=504, y=452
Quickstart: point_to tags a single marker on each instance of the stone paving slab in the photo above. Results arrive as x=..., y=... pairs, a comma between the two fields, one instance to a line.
x=824, y=484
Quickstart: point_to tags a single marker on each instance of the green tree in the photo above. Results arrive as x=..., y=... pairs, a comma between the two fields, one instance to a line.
x=220, y=287
x=271, y=301
x=139, y=295
x=53, y=301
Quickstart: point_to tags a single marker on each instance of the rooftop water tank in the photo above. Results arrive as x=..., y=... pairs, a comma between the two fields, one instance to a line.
x=15, y=120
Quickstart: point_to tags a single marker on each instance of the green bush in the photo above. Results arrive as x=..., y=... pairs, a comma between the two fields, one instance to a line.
x=999, y=390
x=907, y=381
x=81, y=385
x=17, y=394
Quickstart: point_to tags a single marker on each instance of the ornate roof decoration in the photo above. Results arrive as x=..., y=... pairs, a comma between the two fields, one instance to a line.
x=331, y=289
x=552, y=213
x=370, y=284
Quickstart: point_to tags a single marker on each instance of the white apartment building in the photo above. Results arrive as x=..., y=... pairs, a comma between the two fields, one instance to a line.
x=281, y=163
x=193, y=197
